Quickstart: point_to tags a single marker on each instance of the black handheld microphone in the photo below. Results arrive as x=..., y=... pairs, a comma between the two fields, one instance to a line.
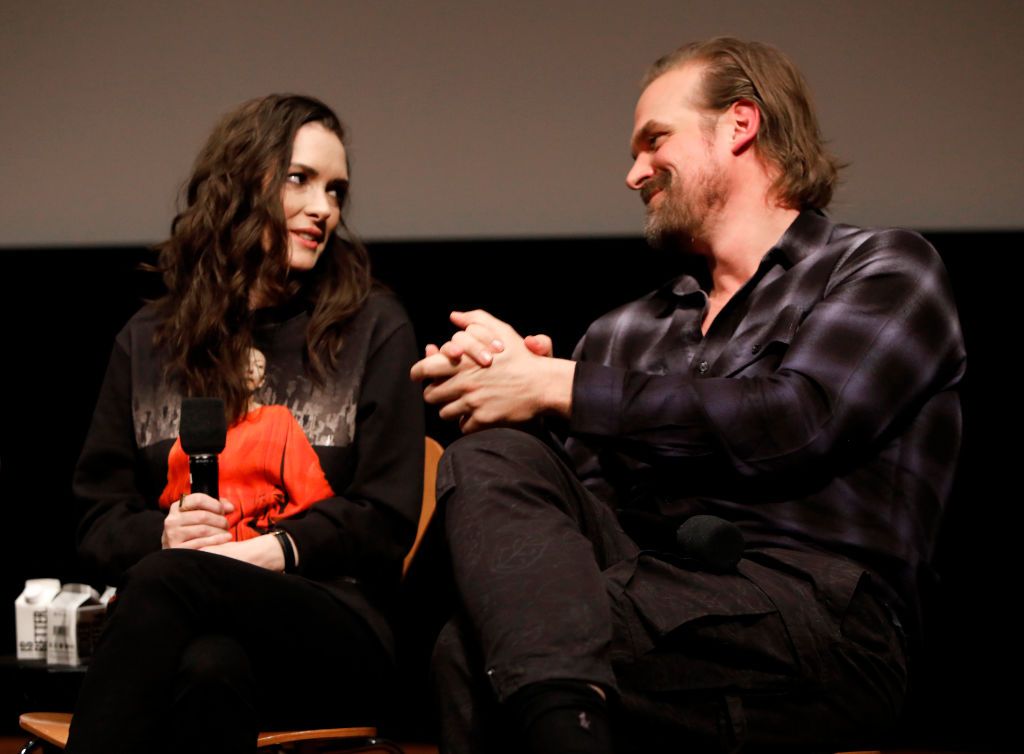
x=714, y=543
x=203, y=434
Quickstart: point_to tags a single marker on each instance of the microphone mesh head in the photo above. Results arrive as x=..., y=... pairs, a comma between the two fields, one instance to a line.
x=714, y=542
x=203, y=426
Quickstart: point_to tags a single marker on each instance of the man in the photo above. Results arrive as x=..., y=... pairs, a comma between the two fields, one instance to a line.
x=805, y=394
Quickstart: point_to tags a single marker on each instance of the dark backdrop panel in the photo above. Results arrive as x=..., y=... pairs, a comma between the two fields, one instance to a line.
x=62, y=307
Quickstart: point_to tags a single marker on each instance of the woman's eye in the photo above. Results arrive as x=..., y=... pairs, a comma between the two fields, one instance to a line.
x=297, y=178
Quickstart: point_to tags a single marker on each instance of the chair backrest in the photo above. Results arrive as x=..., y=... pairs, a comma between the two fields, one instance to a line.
x=431, y=456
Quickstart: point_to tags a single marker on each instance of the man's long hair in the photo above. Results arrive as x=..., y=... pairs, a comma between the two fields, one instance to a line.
x=789, y=137
x=231, y=240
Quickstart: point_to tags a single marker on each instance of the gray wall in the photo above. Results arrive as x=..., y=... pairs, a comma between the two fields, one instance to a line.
x=489, y=119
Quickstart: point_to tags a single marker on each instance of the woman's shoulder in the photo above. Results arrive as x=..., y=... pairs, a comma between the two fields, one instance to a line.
x=384, y=306
x=382, y=313
x=140, y=327
x=380, y=324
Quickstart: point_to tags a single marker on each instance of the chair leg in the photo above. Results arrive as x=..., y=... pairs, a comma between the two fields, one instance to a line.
x=39, y=746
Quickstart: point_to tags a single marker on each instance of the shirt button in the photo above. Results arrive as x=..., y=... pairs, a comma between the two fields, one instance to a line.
x=755, y=348
x=702, y=367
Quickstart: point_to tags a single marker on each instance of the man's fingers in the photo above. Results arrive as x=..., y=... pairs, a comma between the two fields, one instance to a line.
x=443, y=391
x=437, y=366
x=454, y=410
x=498, y=329
x=485, y=337
x=452, y=349
x=540, y=345
x=476, y=343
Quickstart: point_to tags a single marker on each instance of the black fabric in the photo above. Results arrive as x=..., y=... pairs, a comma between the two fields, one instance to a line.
x=365, y=423
x=821, y=410
x=553, y=588
x=561, y=717
x=213, y=698
x=200, y=651
x=304, y=649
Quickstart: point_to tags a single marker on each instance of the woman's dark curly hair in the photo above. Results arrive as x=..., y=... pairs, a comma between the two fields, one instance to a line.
x=231, y=240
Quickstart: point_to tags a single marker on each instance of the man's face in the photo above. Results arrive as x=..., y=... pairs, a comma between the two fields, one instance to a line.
x=676, y=164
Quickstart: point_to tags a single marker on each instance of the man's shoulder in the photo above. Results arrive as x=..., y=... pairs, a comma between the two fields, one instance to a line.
x=817, y=250
x=846, y=239
x=817, y=238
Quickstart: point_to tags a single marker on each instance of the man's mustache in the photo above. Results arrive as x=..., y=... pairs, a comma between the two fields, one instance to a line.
x=657, y=182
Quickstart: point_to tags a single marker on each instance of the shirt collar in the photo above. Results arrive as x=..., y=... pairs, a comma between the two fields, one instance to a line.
x=809, y=232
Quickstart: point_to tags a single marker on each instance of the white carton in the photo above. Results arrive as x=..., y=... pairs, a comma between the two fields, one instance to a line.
x=30, y=617
x=75, y=619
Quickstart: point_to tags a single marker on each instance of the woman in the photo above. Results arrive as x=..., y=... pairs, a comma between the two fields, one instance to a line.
x=261, y=611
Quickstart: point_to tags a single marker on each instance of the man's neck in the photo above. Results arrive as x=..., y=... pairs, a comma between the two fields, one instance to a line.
x=742, y=233
x=738, y=238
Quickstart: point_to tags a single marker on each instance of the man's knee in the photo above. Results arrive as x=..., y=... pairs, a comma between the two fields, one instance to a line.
x=497, y=447
x=494, y=476
x=495, y=460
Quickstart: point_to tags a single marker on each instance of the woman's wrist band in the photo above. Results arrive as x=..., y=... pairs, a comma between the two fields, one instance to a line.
x=286, y=547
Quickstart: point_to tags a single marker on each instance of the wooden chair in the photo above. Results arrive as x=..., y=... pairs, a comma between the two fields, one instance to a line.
x=49, y=730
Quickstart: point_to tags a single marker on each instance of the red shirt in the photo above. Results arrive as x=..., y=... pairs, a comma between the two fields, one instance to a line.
x=268, y=470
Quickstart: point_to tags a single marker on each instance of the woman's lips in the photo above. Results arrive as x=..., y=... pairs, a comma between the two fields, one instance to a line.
x=307, y=239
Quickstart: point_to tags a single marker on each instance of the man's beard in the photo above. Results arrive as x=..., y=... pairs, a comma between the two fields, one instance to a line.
x=683, y=211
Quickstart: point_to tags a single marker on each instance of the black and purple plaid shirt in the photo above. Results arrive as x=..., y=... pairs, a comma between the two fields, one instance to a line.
x=820, y=412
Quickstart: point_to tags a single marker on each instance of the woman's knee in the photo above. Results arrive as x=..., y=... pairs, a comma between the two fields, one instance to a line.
x=167, y=582
x=214, y=660
x=161, y=568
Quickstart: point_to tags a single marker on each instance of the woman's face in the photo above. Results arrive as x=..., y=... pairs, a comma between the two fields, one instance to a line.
x=313, y=193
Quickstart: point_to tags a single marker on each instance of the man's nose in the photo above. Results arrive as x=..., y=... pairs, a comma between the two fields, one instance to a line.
x=640, y=172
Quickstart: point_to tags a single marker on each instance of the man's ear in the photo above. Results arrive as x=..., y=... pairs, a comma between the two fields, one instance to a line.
x=745, y=119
